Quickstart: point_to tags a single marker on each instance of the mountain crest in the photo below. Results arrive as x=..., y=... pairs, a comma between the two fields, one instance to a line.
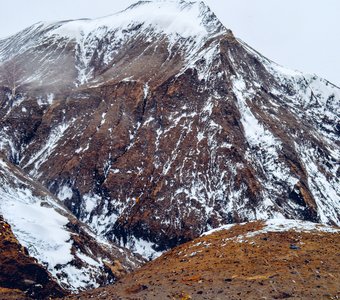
x=182, y=18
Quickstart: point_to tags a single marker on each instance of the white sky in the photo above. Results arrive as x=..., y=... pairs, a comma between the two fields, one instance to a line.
x=299, y=34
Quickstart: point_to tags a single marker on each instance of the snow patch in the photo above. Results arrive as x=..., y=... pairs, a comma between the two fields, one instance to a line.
x=278, y=225
x=65, y=192
x=144, y=248
x=39, y=228
x=42, y=155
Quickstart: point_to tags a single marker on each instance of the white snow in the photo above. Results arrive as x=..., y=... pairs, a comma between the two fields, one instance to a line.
x=313, y=98
x=90, y=261
x=50, y=98
x=90, y=202
x=188, y=24
x=326, y=192
x=169, y=17
x=36, y=223
x=146, y=90
x=102, y=122
x=143, y=248
x=7, y=144
x=65, y=192
x=224, y=227
x=33, y=225
x=78, y=279
x=263, y=150
x=200, y=136
x=278, y=225
x=42, y=155
x=255, y=132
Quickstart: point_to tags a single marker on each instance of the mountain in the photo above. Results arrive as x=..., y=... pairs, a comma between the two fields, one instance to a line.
x=59, y=246
x=157, y=124
x=237, y=262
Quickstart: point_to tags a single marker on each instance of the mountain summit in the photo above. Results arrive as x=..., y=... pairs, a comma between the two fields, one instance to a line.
x=156, y=124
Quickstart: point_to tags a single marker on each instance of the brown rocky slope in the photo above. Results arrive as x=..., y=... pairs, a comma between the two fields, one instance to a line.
x=249, y=261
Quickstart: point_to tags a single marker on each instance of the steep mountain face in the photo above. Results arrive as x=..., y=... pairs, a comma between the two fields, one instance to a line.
x=156, y=124
x=62, y=246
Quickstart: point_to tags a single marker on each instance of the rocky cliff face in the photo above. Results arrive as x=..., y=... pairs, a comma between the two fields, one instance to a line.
x=156, y=124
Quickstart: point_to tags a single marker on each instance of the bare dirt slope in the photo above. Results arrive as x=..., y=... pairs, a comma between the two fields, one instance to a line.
x=233, y=264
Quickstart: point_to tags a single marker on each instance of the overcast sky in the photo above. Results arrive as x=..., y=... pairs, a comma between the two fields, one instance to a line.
x=299, y=34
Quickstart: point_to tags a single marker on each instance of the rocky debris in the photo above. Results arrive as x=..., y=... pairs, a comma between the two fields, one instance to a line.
x=21, y=276
x=248, y=261
x=294, y=247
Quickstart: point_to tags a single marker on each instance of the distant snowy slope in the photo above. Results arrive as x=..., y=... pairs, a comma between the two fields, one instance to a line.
x=277, y=225
x=52, y=235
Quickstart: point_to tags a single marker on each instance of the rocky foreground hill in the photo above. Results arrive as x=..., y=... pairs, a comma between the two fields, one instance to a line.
x=273, y=260
x=149, y=127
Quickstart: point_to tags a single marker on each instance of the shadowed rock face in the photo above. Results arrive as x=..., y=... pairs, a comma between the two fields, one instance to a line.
x=169, y=135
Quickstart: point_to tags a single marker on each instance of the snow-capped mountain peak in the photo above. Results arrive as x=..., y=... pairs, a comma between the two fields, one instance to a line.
x=92, y=45
x=175, y=19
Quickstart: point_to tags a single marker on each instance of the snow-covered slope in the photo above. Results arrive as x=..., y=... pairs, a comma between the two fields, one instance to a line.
x=156, y=124
x=179, y=19
x=72, y=254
